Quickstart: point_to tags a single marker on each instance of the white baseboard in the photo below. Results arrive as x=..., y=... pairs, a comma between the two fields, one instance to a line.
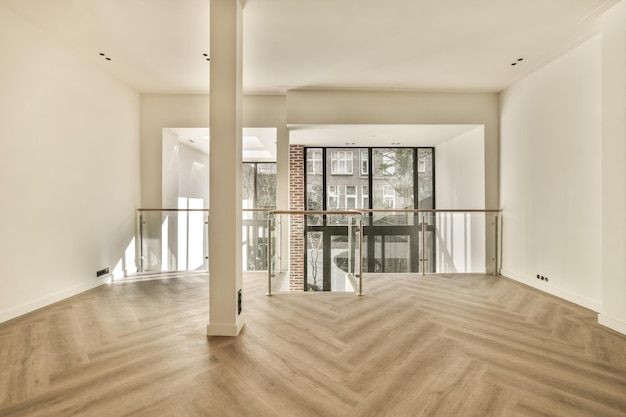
x=557, y=292
x=612, y=323
x=226, y=329
x=31, y=306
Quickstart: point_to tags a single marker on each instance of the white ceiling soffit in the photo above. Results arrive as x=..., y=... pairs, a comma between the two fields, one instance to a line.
x=158, y=45
x=258, y=144
x=376, y=135
x=263, y=148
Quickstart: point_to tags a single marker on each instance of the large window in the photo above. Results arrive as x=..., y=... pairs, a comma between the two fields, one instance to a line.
x=386, y=179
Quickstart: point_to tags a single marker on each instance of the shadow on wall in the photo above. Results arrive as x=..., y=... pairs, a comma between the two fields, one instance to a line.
x=127, y=263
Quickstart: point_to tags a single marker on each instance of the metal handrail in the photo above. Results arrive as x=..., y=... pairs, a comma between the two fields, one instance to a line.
x=430, y=210
x=169, y=209
x=351, y=211
x=207, y=210
x=314, y=212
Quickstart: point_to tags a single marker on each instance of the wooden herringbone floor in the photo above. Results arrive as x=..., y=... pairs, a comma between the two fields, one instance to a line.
x=452, y=346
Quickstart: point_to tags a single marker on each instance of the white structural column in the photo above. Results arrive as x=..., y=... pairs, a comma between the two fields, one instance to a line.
x=225, y=268
x=613, y=312
x=282, y=191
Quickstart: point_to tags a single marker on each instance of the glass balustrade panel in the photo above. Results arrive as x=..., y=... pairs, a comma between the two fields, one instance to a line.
x=173, y=240
x=460, y=241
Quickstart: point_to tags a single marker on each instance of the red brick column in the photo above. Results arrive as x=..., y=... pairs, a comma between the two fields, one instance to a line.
x=296, y=222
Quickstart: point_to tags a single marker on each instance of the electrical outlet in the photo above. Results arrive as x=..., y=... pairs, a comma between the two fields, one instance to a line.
x=102, y=272
x=543, y=278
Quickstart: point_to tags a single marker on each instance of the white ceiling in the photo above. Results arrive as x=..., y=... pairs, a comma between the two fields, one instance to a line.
x=158, y=45
x=460, y=45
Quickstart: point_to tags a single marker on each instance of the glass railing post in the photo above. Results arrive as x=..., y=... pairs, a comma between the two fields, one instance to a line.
x=492, y=245
x=360, y=231
x=277, y=246
x=206, y=241
x=351, y=248
x=497, y=244
x=354, y=255
x=423, y=258
x=140, y=242
x=269, y=254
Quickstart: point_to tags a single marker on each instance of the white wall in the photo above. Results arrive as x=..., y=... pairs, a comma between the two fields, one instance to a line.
x=460, y=184
x=460, y=171
x=550, y=184
x=613, y=313
x=69, y=170
x=170, y=169
x=185, y=172
x=193, y=174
